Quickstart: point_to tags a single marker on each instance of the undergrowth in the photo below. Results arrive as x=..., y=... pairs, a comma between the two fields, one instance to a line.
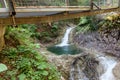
x=86, y=24
x=22, y=57
x=49, y=32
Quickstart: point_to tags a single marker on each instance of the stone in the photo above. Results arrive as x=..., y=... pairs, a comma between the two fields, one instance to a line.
x=116, y=71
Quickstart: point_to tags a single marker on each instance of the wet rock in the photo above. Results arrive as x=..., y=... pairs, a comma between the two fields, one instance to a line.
x=85, y=67
x=102, y=43
x=116, y=71
x=106, y=40
x=62, y=62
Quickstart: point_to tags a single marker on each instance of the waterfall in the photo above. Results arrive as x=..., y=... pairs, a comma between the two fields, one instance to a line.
x=64, y=48
x=65, y=39
x=76, y=71
x=108, y=64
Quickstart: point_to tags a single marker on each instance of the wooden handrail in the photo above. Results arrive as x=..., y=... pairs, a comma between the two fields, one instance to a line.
x=96, y=6
x=91, y=4
x=67, y=2
x=119, y=4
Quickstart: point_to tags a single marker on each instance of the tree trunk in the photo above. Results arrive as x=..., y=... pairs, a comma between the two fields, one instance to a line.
x=2, y=32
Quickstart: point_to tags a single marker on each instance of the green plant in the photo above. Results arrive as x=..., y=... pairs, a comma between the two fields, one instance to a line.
x=108, y=26
x=79, y=2
x=24, y=60
x=0, y=5
x=86, y=24
x=3, y=67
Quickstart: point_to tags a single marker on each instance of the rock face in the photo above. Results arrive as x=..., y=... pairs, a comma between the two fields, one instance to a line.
x=101, y=43
x=106, y=39
x=61, y=62
x=116, y=71
x=85, y=67
x=64, y=63
x=2, y=32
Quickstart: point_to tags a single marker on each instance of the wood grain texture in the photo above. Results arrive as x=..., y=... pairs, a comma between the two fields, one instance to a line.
x=56, y=17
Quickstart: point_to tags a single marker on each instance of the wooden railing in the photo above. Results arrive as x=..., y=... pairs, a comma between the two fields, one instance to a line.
x=3, y=4
x=60, y=3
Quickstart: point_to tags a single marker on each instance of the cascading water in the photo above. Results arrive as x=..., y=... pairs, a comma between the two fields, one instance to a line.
x=108, y=64
x=64, y=47
x=65, y=40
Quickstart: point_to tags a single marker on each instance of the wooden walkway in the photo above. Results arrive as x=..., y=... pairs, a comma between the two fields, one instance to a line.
x=12, y=14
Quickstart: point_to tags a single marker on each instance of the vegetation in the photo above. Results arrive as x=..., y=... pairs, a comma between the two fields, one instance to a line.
x=90, y=23
x=3, y=67
x=49, y=32
x=22, y=57
x=0, y=5
x=86, y=24
x=112, y=23
x=79, y=2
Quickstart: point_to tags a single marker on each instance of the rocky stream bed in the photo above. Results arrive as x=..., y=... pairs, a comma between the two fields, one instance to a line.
x=98, y=61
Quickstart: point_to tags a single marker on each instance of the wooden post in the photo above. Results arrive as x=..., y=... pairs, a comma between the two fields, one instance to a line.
x=12, y=11
x=91, y=4
x=2, y=4
x=119, y=4
x=2, y=32
x=67, y=2
x=12, y=8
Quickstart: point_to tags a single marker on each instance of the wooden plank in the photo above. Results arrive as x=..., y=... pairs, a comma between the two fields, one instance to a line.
x=57, y=8
x=45, y=9
x=4, y=10
x=51, y=18
x=119, y=4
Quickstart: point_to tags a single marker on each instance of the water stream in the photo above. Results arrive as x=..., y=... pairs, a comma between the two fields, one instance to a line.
x=108, y=64
x=65, y=39
x=64, y=47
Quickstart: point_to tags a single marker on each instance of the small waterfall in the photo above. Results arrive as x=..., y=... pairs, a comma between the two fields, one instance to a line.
x=65, y=39
x=76, y=72
x=108, y=64
x=64, y=47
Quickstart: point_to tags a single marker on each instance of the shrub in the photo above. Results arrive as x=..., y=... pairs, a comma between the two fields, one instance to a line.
x=24, y=60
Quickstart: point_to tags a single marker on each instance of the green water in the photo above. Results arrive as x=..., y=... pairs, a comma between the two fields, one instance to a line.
x=64, y=50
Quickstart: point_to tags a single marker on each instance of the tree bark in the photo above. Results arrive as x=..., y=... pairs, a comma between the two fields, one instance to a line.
x=2, y=32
